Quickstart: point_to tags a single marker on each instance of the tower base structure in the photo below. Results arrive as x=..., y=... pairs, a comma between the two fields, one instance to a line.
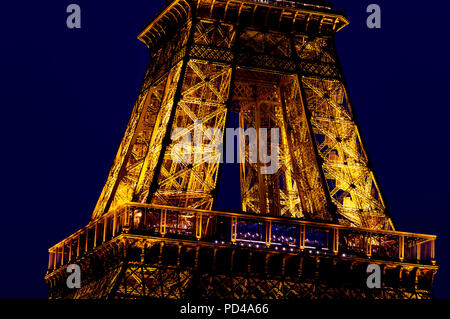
x=308, y=230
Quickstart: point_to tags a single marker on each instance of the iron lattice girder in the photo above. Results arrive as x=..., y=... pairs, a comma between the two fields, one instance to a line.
x=267, y=14
x=207, y=59
x=243, y=55
x=150, y=268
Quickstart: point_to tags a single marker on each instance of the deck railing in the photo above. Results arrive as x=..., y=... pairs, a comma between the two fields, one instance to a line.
x=316, y=4
x=255, y=231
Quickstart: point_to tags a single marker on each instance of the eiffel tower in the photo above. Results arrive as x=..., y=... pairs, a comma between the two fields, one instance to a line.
x=307, y=231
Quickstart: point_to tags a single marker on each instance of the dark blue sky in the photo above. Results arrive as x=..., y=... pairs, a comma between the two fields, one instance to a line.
x=66, y=96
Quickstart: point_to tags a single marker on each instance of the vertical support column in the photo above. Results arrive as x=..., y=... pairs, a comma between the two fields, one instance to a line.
x=78, y=246
x=214, y=259
x=330, y=205
x=114, y=224
x=302, y=237
x=200, y=96
x=180, y=246
x=70, y=250
x=87, y=239
x=127, y=220
x=369, y=245
x=416, y=272
x=401, y=248
x=433, y=247
x=198, y=226
x=288, y=148
x=335, y=241
x=62, y=254
x=418, y=252
x=105, y=223
x=50, y=260
x=55, y=258
x=162, y=224
x=261, y=185
x=95, y=234
x=242, y=176
x=268, y=233
x=233, y=229
x=144, y=247
x=161, y=247
x=177, y=98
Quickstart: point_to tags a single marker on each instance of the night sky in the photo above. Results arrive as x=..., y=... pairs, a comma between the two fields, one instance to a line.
x=66, y=96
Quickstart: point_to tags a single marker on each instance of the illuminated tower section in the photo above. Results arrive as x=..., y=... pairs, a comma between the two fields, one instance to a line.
x=308, y=230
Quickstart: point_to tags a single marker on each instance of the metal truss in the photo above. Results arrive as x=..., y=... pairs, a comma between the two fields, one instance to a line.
x=148, y=268
x=275, y=81
x=267, y=101
x=275, y=65
x=350, y=180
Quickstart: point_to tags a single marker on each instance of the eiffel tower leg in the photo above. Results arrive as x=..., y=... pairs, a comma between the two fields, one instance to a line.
x=200, y=107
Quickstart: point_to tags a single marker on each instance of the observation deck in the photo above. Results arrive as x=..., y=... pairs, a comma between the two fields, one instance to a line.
x=247, y=230
x=162, y=242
